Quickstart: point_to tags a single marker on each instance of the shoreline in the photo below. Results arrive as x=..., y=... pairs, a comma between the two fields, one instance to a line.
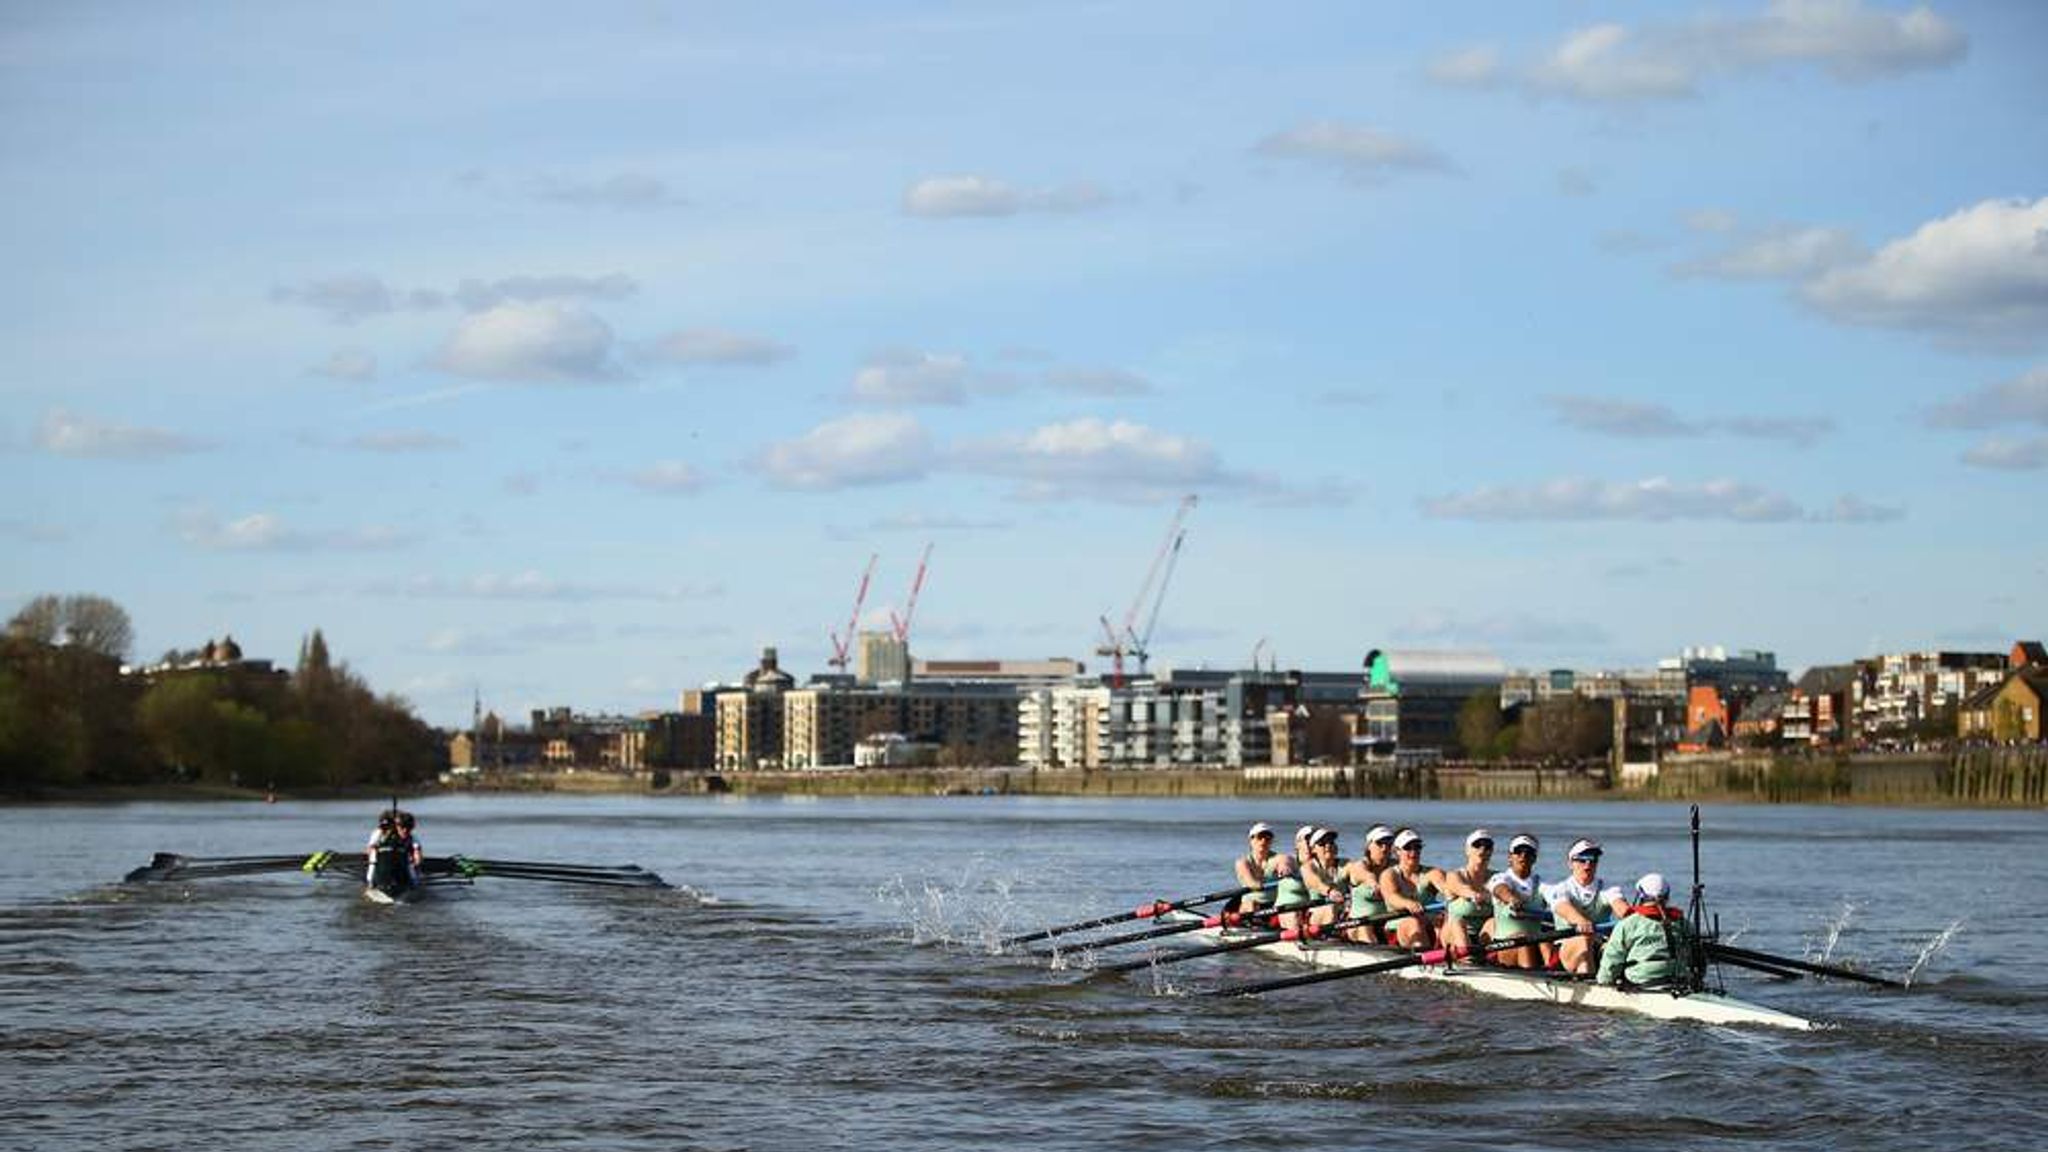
x=1989, y=778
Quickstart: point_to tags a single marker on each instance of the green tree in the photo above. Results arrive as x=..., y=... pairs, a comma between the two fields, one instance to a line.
x=1479, y=725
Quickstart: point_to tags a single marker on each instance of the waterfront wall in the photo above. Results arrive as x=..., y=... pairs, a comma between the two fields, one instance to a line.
x=1983, y=777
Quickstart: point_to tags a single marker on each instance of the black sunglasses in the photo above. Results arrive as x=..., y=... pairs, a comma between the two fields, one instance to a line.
x=1482, y=845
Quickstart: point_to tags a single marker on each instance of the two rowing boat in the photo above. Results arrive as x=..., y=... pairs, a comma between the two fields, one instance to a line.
x=1705, y=1007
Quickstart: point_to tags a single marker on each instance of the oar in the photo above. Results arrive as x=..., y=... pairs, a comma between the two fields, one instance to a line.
x=547, y=865
x=1766, y=969
x=170, y=866
x=624, y=876
x=1141, y=912
x=1738, y=956
x=1414, y=960
x=1266, y=937
x=1220, y=920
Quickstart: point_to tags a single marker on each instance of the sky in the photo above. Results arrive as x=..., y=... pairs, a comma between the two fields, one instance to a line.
x=568, y=355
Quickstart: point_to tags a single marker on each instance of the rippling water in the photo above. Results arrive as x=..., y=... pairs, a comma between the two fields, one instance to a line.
x=823, y=980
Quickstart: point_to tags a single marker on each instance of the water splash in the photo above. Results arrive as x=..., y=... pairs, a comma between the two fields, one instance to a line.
x=1835, y=928
x=1932, y=948
x=969, y=910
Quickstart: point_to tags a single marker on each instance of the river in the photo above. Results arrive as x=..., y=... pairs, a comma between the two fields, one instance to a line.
x=821, y=979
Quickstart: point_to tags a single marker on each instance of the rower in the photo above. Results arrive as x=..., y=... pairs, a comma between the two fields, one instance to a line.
x=1323, y=872
x=1363, y=874
x=1255, y=868
x=1471, y=905
x=1290, y=893
x=1652, y=946
x=1408, y=887
x=1581, y=901
x=414, y=854
x=388, y=870
x=1518, y=906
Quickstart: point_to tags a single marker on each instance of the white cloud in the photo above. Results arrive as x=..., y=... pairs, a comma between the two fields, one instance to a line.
x=1475, y=67
x=908, y=377
x=1365, y=154
x=530, y=585
x=2021, y=400
x=63, y=433
x=2010, y=455
x=1655, y=500
x=717, y=346
x=266, y=532
x=626, y=191
x=1098, y=381
x=945, y=197
x=668, y=478
x=861, y=450
x=1714, y=220
x=1097, y=459
x=1610, y=63
x=1783, y=254
x=538, y=343
x=401, y=442
x=1799, y=431
x=350, y=364
x=1624, y=418
x=1599, y=64
x=481, y=295
x=1975, y=278
x=349, y=297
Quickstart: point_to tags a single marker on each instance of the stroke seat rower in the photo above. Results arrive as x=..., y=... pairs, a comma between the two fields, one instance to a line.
x=1584, y=902
x=389, y=869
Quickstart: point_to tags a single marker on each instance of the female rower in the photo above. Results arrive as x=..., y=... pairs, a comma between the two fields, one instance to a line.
x=1323, y=872
x=1471, y=905
x=1255, y=868
x=414, y=854
x=1290, y=894
x=1652, y=947
x=1363, y=874
x=1407, y=887
x=1518, y=906
x=1583, y=902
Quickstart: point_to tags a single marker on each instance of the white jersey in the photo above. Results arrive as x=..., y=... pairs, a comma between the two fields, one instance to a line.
x=1596, y=899
x=1528, y=893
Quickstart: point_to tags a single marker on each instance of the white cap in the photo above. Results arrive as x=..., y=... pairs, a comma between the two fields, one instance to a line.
x=1524, y=841
x=1477, y=835
x=1652, y=888
x=1304, y=832
x=1581, y=847
x=1260, y=829
x=1408, y=836
x=1323, y=834
x=1378, y=832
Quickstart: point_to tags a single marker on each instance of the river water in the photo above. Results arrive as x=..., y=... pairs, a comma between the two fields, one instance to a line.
x=822, y=979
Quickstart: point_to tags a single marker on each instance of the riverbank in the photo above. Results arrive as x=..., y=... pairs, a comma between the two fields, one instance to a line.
x=1975, y=777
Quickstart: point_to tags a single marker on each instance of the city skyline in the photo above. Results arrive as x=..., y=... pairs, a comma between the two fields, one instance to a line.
x=577, y=357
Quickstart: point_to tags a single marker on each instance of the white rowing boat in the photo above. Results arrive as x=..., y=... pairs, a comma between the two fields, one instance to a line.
x=1515, y=984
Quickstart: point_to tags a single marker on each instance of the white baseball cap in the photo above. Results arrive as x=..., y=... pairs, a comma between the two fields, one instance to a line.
x=1525, y=841
x=1583, y=847
x=1323, y=834
x=1408, y=836
x=1652, y=888
x=1304, y=832
x=1260, y=829
x=1377, y=833
x=1477, y=835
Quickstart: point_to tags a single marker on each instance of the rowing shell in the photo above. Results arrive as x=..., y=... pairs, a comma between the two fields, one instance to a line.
x=403, y=896
x=1515, y=984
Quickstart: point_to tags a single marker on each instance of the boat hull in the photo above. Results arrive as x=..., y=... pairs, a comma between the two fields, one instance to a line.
x=376, y=895
x=1511, y=984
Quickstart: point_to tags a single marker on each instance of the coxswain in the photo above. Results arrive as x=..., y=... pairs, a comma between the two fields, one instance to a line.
x=1255, y=869
x=1363, y=874
x=388, y=870
x=1652, y=946
x=1323, y=872
x=1582, y=902
x=1519, y=910
x=1408, y=887
x=1471, y=905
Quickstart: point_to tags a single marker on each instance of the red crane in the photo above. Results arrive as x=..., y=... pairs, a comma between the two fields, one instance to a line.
x=1130, y=641
x=902, y=625
x=842, y=647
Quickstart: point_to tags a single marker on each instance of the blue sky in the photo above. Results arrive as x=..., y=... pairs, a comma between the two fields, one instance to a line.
x=572, y=356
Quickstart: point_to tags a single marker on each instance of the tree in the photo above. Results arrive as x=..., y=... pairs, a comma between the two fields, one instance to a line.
x=1567, y=728
x=1479, y=725
x=40, y=621
x=97, y=624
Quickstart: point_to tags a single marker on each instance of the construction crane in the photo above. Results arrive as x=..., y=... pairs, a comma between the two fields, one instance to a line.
x=901, y=625
x=1129, y=642
x=842, y=646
